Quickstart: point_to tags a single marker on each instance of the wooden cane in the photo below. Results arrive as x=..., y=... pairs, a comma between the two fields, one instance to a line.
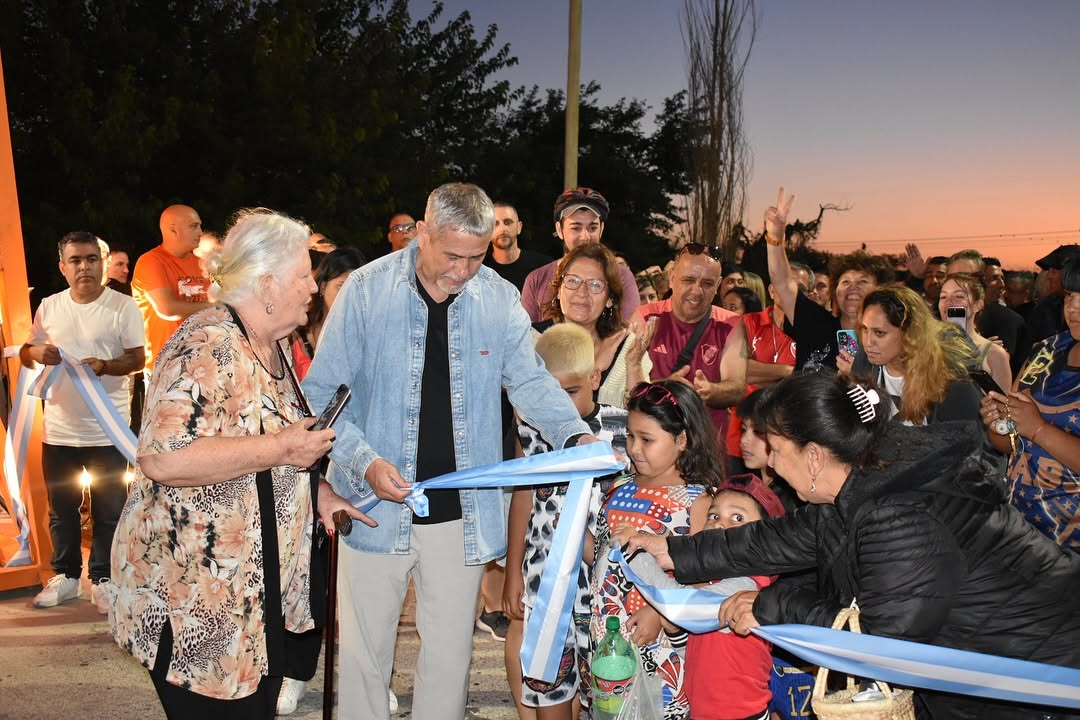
x=342, y=526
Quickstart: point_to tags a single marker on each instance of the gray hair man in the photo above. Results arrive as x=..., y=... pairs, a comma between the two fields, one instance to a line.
x=427, y=338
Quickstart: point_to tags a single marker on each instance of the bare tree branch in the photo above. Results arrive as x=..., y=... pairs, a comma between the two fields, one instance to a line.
x=718, y=36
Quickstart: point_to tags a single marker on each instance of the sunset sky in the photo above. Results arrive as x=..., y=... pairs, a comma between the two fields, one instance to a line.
x=953, y=124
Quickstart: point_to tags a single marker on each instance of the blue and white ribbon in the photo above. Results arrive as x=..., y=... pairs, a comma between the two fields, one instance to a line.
x=97, y=400
x=549, y=622
x=36, y=383
x=901, y=662
x=16, y=440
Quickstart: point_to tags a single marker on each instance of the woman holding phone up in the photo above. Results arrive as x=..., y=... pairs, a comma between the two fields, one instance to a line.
x=961, y=303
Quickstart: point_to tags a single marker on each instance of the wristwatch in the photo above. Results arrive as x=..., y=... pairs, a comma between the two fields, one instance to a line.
x=1003, y=426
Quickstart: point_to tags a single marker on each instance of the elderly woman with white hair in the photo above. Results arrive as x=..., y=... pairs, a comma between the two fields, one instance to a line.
x=214, y=591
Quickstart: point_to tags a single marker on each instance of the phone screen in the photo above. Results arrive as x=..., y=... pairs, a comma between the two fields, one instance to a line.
x=333, y=408
x=957, y=316
x=848, y=341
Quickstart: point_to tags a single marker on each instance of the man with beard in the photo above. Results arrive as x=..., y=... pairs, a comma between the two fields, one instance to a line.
x=102, y=329
x=506, y=257
x=514, y=264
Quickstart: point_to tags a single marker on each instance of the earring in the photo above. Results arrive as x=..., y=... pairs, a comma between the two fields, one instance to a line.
x=813, y=483
x=269, y=308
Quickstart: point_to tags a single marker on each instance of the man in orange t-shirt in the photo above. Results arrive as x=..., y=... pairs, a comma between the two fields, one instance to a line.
x=169, y=283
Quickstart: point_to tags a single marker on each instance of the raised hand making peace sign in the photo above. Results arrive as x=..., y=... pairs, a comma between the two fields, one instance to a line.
x=776, y=218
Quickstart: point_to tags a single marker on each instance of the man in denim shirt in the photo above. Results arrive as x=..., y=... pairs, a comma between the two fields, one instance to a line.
x=426, y=338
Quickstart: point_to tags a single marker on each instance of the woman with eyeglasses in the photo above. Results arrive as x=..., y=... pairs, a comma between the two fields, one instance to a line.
x=587, y=291
x=911, y=523
x=671, y=442
x=919, y=362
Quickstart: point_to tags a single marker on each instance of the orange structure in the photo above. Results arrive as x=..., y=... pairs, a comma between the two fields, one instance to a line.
x=15, y=327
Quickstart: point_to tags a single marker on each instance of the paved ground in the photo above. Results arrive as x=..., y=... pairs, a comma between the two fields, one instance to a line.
x=61, y=663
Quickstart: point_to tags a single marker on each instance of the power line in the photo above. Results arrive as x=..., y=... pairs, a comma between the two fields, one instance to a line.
x=954, y=238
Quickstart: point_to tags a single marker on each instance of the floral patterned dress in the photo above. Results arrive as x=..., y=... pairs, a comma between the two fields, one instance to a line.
x=663, y=511
x=193, y=557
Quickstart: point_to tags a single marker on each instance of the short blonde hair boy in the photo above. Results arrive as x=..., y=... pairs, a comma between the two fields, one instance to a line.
x=567, y=349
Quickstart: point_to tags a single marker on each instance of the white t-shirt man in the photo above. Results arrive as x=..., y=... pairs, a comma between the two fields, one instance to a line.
x=103, y=328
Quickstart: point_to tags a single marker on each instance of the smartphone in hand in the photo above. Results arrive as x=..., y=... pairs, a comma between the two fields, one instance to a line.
x=984, y=381
x=847, y=341
x=333, y=408
x=957, y=316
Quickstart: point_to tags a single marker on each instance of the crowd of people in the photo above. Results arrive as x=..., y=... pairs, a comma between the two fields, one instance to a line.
x=802, y=438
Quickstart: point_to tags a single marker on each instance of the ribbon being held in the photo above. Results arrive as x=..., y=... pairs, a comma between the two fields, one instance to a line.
x=578, y=466
x=896, y=661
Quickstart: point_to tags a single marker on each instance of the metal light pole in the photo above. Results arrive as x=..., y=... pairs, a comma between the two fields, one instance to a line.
x=573, y=83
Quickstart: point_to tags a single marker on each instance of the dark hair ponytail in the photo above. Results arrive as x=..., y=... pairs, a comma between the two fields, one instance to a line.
x=817, y=408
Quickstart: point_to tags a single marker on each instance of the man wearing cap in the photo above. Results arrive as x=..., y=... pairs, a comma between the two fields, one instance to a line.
x=580, y=214
x=1047, y=318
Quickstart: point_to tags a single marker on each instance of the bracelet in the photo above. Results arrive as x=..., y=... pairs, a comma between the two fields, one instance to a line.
x=1039, y=430
x=768, y=241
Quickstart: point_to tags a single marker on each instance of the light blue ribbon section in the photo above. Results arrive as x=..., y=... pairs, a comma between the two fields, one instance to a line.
x=101, y=406
x=549, y=622
x=16, y=440
x=901, y=662
x=693, y=609
x=36, y=383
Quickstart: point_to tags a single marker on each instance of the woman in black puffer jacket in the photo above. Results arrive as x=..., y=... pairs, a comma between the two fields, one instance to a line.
x=912, y=523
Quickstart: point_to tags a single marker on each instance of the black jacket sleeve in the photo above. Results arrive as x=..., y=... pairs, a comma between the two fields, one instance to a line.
x=768, y=547
x=793, y=603
x=907, y=570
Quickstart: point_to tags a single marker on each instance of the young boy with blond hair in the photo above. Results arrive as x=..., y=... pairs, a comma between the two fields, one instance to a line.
x=567, y=351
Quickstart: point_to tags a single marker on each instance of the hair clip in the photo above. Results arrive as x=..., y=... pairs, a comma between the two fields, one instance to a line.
x=215, y=279
x=864, y=401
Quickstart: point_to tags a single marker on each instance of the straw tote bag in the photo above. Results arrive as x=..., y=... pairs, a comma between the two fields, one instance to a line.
x=839, y=705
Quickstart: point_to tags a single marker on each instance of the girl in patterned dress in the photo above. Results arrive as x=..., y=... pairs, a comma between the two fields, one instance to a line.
x=672, y=444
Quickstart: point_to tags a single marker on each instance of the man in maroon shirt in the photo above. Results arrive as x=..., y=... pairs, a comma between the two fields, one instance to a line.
x=717, y=367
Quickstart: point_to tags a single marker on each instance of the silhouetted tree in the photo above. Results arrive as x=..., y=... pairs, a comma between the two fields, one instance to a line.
x=718, y=35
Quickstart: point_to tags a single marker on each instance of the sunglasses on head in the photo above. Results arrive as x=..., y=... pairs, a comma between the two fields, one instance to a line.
x=656, y=395
x=712, y=251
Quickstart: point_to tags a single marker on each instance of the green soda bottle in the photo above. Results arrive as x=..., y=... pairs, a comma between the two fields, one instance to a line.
x=613, y=666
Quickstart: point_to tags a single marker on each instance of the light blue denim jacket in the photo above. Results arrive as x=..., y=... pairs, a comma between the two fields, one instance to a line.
x=373, y=341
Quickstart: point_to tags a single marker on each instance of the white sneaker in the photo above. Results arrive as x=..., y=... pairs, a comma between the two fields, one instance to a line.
x=101, y=594
x=291, y=692
x=58, y=590
x=393, y=700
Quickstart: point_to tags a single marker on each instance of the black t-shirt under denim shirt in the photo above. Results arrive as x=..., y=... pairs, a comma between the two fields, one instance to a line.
x=435, y=442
